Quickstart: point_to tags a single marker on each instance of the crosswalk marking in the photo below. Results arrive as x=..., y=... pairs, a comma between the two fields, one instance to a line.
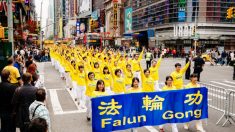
x=222, y=84
x=230, y=82
x=151, y=129
x=55, y=102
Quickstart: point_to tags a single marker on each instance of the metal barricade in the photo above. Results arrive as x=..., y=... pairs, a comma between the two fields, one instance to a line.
x=230, y=112
x=217, y=99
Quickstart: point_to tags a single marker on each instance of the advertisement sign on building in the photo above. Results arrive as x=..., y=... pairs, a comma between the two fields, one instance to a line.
x=181, y=12
x=78, y=28
x=115, y=11
x=128, y=20
x=85, y=7
x=183, y=30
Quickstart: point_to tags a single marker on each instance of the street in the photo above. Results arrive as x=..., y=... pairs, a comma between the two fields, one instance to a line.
x=67, y=117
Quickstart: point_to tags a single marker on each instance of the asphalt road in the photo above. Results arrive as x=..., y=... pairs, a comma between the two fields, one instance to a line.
x=67, y=117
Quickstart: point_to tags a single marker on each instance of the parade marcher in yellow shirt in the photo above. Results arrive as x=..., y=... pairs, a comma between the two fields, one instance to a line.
x=80, y=86
x=169, y=86
x=194, y=84
x=154, y=72
x=91, y=86
x=99, y=91
x=134, y=86
x=97, y=70
x=147, y=81
x=118, y=83
x=128, y=74
x=135, y=63
x=178, y=74
x=108, y=80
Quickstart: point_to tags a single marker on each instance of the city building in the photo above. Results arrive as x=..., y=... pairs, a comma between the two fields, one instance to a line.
x=50, y=20
x=179, y=23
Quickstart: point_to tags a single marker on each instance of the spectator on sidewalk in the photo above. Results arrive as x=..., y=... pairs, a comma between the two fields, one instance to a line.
x=38, y=108
x=14, y=73
x=198, y=66
x=6, y=93
x=18, y=63
x=22, y=99
x=38, y=125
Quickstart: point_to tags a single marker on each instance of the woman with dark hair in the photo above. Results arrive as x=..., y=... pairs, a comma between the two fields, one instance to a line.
x=100, y=89
x=135, y=86
x=90, y=87
x=96, y=69
x=194, y=84
x=118, y=83
x=169, y=86
x=108, y=80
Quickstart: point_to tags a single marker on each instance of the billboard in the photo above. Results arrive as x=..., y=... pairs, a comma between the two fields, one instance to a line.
x=128, y=20
x=85, y=7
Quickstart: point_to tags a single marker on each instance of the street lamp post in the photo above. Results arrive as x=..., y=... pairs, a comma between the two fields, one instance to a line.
x=10, y=25
x=41, y=26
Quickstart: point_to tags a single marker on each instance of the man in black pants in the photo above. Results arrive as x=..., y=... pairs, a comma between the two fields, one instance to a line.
x=198, y=65
x=6, y=109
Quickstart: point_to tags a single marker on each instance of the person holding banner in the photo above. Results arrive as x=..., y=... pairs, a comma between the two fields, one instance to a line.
x=147, y=81
x=108, y=80
x=194, y=84
x=177, y=75
x=134, y=86
x=100, y=89
x=118, y=83
x=90, y=87
x=169, y=86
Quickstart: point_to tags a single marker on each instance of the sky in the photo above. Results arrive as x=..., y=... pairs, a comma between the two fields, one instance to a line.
x=45, y=10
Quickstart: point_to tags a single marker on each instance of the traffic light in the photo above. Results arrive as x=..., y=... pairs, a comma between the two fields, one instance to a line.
x=230, y=13
x=194, y=30
x=2, y=33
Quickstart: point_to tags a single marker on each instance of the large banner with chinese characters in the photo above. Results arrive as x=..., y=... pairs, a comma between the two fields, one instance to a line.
x=120, y=112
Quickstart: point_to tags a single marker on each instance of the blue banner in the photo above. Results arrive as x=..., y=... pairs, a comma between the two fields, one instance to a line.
x=120, y=112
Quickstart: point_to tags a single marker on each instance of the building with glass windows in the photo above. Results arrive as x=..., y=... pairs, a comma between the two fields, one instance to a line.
x=178, y=23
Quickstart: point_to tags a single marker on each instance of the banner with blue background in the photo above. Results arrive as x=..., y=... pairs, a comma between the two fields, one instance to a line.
x=120, y=112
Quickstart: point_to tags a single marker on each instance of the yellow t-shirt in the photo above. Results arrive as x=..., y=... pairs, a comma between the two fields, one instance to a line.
x=190, y=85
x=107, y=78
x=154, y=70
x=97, y=72
x=134, y=90
x=91, y=86
x=14, y=73
x=80, y=78
x=98, y=94
x=128, y=77
x=178, y=77
x=148, y=84
x=166, y=88
x=119, y=85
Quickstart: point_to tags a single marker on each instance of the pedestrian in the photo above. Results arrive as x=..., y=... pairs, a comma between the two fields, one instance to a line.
x=38, y=108
x=198, y=65
x=188, y=71
x=38, y=125
x=6, y=109
x=18, y=64
x=22, y=99
x=194, y=84
x=148, y=58
x=29, y=61
x=228, y=58
x=177, y=75
x=223, y=57
x=169, y=86
x=15, y=77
